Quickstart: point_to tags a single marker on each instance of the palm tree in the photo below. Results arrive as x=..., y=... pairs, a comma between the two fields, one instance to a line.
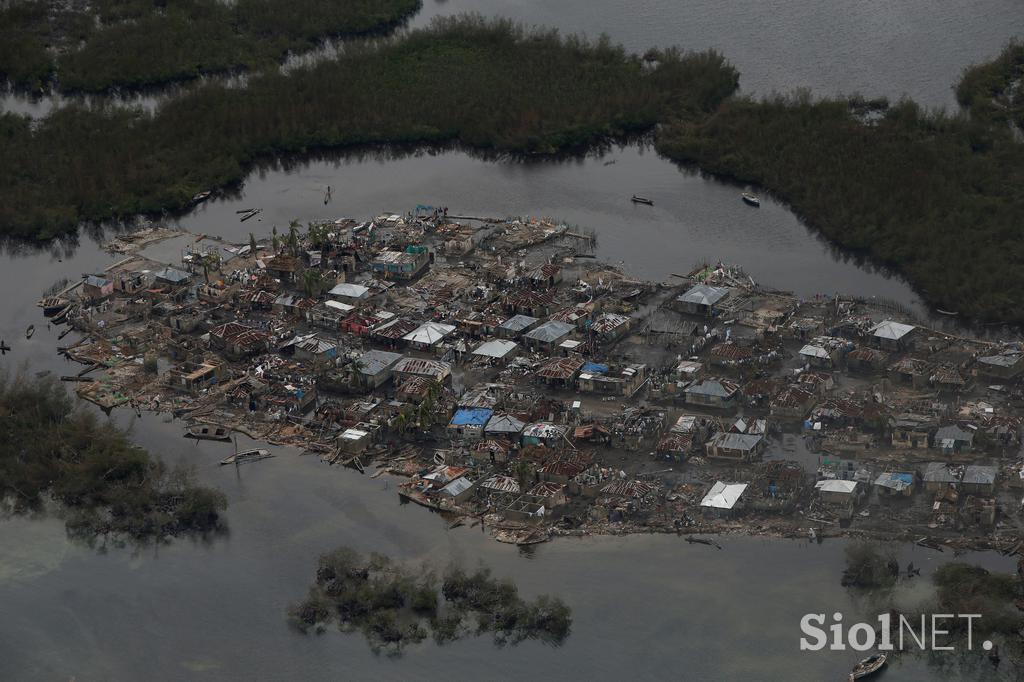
x=312, y=282
x=209, y=261
x=524, y=473
x=252, y=245
x=293, y=238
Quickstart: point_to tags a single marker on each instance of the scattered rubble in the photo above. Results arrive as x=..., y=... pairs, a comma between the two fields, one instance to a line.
x=515, y=380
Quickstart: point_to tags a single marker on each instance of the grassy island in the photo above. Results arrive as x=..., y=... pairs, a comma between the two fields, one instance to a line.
x=129, y=44
x=393, y=606
x=933, y=196
x=105, y=486
x=485, y=84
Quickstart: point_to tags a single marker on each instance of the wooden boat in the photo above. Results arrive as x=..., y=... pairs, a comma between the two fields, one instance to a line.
x=30, y=331
x=253, y=455
x=208, y=432
x=868, y=666
x=62, y=316
x=521, y=536
x=946, y=312
x=202, y=196
x=250, y=214
x=52, y=305
x=751, y=199
x=641, y=200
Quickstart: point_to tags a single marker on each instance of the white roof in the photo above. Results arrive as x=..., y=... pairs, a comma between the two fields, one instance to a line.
x=429, y=333
x=836, y=486
x=354, y=434
x=814, y=351
x=892, y=330
x=688, y=367
x=349, y=290
x=685, y=424
x=723, y=495
x=496, y=348
x=338, y=305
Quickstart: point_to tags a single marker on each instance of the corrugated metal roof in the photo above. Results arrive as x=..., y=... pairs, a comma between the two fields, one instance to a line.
x=703, y=294
x=723, y=495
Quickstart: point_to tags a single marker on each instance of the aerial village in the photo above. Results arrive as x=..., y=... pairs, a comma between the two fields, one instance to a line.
x=496, y=371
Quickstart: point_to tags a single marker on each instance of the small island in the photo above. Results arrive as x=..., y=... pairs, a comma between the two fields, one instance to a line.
x=393, y=606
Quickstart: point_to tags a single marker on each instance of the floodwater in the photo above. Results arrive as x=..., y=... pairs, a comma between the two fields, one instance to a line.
x=644, y=606
x=916, y=48
x=692, y=219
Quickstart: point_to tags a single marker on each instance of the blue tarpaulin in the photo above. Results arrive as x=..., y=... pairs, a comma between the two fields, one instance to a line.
x=472, y=417
x=595, y=368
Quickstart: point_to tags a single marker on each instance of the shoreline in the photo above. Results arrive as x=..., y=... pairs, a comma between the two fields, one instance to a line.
x=579, y=476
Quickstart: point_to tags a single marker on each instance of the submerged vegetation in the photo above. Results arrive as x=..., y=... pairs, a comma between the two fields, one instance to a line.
x=486, y=84
x=935, y=197
x=136, y=43
x=932, y=196
x=392, y=606
x=869, y=565
x=994, y=91
x=963, y=588
x=105, y=486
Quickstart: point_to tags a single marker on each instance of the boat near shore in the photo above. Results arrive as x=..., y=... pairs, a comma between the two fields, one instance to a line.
x=867, y=667
x=208, y=432
x=52, y=305
x=253, y=455
x=751, y=199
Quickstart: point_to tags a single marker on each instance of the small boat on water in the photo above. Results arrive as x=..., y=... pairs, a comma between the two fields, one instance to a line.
x=62, y=316
x=946, y=312
x=52, y=305
x=202, y=196
x=868, y=666
x=253, y=455
x=208, y=432
x=751, y=199
x=30, y=331
x=641, y=200
x=249, y=214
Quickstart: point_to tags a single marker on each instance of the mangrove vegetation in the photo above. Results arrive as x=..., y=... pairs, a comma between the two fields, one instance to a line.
x=127, y=44
x=486, y=84
x=105, y=487
x=933, y=196
x=393, y=606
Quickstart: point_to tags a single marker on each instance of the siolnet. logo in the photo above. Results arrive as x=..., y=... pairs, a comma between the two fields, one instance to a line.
x=937, y=632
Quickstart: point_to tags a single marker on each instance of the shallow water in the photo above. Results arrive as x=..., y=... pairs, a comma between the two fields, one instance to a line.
x=692, y=219
x=644, y=606
x=915, y=48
